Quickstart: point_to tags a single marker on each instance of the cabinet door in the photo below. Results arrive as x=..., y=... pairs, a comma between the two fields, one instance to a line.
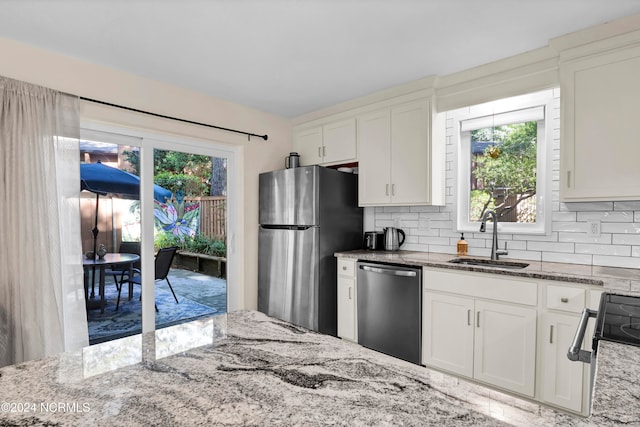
x=448, y=333
x=599, y=148
x=339, y=141
x=346, y=308
x=410, y=151
x=374, y=148
x=505, y=346
x=308, y=143
x=562, y=378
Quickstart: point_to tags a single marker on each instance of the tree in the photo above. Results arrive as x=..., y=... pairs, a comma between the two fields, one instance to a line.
x=507, y=169
x=175, y=169
x=218, y=176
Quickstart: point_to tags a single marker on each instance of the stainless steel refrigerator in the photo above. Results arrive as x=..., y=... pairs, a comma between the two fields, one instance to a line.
x=306, y=215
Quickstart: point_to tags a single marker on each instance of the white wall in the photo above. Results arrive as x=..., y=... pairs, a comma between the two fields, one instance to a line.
x=45, y=68
x=433, y=228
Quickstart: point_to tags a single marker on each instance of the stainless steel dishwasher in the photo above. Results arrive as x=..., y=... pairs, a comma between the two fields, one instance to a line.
x=390, y=309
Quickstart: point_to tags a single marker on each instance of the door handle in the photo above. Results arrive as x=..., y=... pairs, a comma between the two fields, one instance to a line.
x=551, y=334
x=477, y=319
x=392, y=272
x=575, y=353
x=350, y=292
x=469, y=317
x=386, y=189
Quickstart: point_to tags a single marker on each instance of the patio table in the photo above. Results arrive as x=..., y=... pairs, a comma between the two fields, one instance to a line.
x=110, y=259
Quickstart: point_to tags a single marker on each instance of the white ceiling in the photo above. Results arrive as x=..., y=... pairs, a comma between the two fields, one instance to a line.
x=290, y=57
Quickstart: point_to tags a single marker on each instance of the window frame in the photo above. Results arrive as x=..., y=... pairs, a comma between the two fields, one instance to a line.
x=543, y=196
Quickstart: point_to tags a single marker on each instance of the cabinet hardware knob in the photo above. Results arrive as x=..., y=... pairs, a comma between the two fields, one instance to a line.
x=564, y=299
x=349, y=292
x=386, y=189
x=469, y=317
x=344, y=267
x=320, y=152
x=551, y=334
x=478, y=320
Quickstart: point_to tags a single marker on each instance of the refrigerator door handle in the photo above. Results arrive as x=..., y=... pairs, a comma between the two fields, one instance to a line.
x=287, y=227
x=392, y=272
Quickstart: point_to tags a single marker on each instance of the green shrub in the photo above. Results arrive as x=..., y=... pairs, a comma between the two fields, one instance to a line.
x=198, y=244
x=165, y=240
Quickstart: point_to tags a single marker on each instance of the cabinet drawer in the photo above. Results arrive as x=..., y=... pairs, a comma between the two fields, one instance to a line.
x=565, y=298
x=482, y=285
x=346, y=267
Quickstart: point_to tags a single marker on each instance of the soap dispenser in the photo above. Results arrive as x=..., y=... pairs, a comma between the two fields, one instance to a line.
x=463, y=246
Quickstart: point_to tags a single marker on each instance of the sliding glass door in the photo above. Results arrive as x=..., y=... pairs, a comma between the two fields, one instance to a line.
x=195, y=225
x=180, y=226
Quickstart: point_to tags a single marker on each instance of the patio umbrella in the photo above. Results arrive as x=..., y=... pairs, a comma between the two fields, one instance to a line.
x=102, y=180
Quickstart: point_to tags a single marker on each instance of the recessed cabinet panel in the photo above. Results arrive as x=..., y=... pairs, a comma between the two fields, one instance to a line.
x=374, y=148
x=327, y=144
x=308, y=143
x=396, y=156
x=505, y=346
x=563, y=379
x=448, y=333
x=346, y=308
x=599, y=143
x=339, y=141
x=410, y=162
x=347, y=320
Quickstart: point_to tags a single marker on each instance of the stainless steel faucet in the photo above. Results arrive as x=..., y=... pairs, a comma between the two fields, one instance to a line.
x=495, y=252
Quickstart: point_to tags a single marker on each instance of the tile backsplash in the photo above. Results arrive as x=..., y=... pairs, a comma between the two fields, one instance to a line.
x=432, y=228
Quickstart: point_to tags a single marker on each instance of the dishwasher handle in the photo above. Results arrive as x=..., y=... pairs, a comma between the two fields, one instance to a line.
x=575, y=353
x=390, y=271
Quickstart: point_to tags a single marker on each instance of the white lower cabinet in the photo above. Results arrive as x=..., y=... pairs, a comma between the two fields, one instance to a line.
x=447, y=340
x=505, y=346
x=565, y=383
x=347, y=320
x=489, y=341
x=563, y=380
x=509, y=332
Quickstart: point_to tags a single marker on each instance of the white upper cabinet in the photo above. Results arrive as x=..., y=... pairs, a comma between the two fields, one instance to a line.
x=398, y=142
x=339, y=141
x=308, y=143
x=332, y=143
x=400, y=162
x=599, y=143
x=374, y=160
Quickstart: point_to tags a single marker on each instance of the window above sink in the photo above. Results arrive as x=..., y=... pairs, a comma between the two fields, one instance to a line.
x=504, y=162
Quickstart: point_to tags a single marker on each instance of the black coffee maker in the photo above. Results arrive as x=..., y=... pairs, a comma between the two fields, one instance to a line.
x=373, y=240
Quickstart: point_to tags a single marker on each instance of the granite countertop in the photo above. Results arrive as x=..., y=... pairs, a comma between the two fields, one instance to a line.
x=617, y=382
x=268, y=372
x=623, y=280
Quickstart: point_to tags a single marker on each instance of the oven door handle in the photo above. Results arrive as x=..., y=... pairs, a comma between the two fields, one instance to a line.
x=575, y=353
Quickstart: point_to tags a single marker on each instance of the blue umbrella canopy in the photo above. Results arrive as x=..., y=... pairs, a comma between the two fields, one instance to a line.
x=102, y=179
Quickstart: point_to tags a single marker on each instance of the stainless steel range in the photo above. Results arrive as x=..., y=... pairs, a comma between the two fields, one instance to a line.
x=617, y=320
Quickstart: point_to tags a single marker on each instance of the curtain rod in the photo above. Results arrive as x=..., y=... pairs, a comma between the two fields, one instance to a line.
x=249, y=134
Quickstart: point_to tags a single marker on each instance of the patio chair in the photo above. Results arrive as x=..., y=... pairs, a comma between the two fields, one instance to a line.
x=122, y=270
x=163, y=261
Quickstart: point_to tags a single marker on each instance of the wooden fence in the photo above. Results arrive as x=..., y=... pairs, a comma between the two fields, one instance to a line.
x=213, y=215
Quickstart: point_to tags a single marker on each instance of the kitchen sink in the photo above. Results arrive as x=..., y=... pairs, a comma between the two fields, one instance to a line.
x=481, y=262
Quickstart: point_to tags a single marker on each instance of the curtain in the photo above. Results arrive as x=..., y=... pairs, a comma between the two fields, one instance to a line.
x=42, y=306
